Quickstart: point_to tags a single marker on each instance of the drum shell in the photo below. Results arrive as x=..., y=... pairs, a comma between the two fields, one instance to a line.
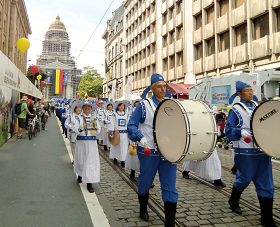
x=189, y=134
x=265, y=123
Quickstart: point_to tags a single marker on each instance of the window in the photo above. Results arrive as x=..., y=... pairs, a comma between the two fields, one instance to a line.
x=261, y=26
x=165, y=64
x=238, y=3
x=171, y=13
x=164, y=41
x=198, y=51
x=198, y=21
x=278, y=20
x=172, y=62
x=210, y=13
x=210, y=47
x=179, y=57
x=223, y=7
x=179, y=33
x=241, y=34
x=224, y=41
x=179, y=7
x=164, y=19
x=171, y=37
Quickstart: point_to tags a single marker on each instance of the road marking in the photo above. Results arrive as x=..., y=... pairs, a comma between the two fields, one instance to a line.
x=96, y=212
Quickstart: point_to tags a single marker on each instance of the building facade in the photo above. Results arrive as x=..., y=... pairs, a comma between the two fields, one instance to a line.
x=56, y=59
x=113, y=85
x=158, y=39
x=14, y=24
x=235, y=35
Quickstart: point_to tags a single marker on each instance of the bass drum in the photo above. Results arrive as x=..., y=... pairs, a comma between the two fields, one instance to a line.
x=265, y=124
x=184, y=130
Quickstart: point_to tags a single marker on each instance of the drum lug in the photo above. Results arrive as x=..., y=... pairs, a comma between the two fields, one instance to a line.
x=188, y=112
x=190, y=153
x=205, y=152
x=209, y=133
x=192, y=133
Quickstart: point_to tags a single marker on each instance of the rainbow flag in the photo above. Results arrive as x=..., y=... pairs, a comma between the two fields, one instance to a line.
x=58, y=81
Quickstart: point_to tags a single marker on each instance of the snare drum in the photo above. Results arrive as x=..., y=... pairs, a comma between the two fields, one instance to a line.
x=265, y=122
x=184, y=130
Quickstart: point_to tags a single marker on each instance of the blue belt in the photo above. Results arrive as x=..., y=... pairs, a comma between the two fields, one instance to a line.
x=122, y=131
x=86, y=137
x=153, y=151
x=248, y=151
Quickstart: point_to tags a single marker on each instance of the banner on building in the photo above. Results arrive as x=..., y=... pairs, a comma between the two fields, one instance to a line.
x=220, y=94
x=58, y=81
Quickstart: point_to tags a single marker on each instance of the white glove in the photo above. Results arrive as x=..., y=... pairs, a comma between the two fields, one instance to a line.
x=245, y=133
x=144, y=142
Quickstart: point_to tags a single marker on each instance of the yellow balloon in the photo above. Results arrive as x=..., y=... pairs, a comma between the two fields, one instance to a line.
x=23, y=44
x=39, y=77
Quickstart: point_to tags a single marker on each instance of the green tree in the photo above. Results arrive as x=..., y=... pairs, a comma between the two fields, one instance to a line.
x=91, y=83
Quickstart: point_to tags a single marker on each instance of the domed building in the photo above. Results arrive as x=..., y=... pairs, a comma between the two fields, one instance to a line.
x=56, y=60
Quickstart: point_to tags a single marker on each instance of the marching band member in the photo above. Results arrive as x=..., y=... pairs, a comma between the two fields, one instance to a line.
x=132, y=161
x=251, y=163
x=140, y=128
x=120, y=120
x=87, y=163
x=209, y=169
x=107, y=121
x=70, y=125
x=100, y=118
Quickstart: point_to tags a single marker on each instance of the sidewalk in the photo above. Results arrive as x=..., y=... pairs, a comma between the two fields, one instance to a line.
x=38, y=187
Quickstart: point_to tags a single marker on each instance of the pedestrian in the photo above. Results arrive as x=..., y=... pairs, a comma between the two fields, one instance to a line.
x=252, y=164
x=107, y=122
x=140, y=129
x=87, y=162
x=119, y=122
x=22, y=116
x=100, y=115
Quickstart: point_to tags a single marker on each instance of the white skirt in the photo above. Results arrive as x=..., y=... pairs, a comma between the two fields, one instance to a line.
x=132, y=162
x=87, y=163
x=210, y=169
x=119, y=151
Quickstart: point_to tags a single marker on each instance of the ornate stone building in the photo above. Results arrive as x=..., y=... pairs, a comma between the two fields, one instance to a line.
x=56, y=57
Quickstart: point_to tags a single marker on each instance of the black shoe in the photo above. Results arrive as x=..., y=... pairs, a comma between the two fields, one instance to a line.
x=266, y=205
x=105, y=148
x=79, y=180
x=143, y=201
x=234, y=170
x=170, y=213
x=132, y=174
x=122, y=164
x=186, y=174
x=219, y=183
x=234, y=201
x=90, y=188
x=115, y=161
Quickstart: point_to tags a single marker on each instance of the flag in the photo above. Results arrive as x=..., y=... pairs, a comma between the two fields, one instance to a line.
x=58, y=81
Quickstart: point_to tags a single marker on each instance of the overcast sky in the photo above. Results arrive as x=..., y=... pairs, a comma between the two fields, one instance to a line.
x=80, y=18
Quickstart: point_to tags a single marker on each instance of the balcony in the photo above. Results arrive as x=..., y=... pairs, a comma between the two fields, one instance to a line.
x=239, y=15
x=179, y=72
x=258, y=7
x=197, y=66
x=260, y=47
x=171, y=49
x=170, y=3
x=164, y=52
x=179, y=19
x=163, y=7
x=275, y=3
x=196, y=7
x=207, y=3
x=179, y=45
x=171, y=25
x=153, y=58
x=164, y=29
x=171, y=74
x=197, y=36
x=209, y=30
x=210, y=62
x=276, y=43
x=223, y=58
x=152, y=18
x=240, y=54
x=222, y=23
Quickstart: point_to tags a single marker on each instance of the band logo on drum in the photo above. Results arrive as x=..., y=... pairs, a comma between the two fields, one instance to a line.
x=268, y=115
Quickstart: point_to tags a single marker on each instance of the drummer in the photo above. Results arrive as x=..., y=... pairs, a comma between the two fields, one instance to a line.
x=140, y=129
x=252, y=164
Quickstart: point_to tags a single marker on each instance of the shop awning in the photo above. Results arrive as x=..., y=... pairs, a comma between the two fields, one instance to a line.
x=182, y=89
